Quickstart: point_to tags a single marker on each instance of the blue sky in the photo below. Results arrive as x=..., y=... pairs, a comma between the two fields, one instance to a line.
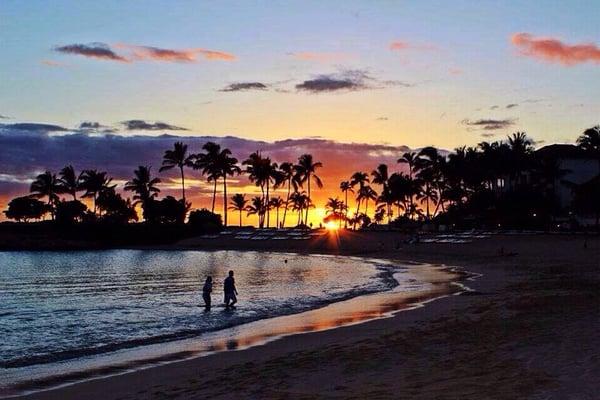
x=458, y=64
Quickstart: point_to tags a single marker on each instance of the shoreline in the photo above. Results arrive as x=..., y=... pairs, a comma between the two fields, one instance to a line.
x=492, y=342
x=439, y=281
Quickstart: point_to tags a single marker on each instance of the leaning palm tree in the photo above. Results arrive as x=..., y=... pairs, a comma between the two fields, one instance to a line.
x=366, y=193
x=361, y=179
x=69, y=181
x=346, y=187
x=276, y=203
x=238, y=203
x=306, y=170
x=94, y=183
x=178, y=157
x=144, y=187
x=46, y=185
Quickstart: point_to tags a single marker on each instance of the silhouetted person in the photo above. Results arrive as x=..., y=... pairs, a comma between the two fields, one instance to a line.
x=230, y=291
x=206, y=291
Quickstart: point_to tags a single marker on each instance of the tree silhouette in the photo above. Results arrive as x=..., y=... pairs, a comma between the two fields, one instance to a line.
x=257, y=207
x=46, y=185
x=94, y=183
x=276, y=203
x=144, y=187
x=69, y=181
x=178, y=157
x=346, y=187
x=306, y=171
x=589, y=141
x=287, y=177
x=238, y=203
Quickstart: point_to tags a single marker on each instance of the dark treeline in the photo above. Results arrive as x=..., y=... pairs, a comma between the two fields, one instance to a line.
x=503, y=183
x=57, y=194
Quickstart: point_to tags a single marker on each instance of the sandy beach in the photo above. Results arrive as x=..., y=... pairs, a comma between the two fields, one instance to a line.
x=528, y=330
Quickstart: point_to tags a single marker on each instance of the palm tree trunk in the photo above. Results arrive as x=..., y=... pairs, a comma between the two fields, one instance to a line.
x=225, y=198
x=346, y=211
x=182, y=185
x=277, y=218
x=287, y=200
x=356, y=214
x=214, y=196
x=267, y=203
x=240, y=217
x=308, y=205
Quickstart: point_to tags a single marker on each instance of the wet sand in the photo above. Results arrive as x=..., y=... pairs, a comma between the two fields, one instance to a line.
x=529, y=330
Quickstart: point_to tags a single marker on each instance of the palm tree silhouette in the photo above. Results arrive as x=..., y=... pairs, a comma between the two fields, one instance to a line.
x=287, y=177
x=589, y=141
x=361, y=179
x=277, y=203
x=144, y=187
x=69, y=181
x=346, y=187
x=305, y=170
x=257, y=207
x=46, y=185
x=178, y=157
x=227, y=166
x=238, y=203
x=366, y=193
x=335, y=208
x=300, y=201
x=94, y=182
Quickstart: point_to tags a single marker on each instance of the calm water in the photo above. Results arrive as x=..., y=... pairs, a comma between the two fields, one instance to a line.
x=61, y=306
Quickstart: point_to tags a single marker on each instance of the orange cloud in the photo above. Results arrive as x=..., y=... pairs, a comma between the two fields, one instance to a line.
x=554, y=50
x=143, y=53
x=51, y=63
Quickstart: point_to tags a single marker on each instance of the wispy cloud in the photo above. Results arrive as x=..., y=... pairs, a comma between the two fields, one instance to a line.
x=346, y=81
x=4, y=117
x=381, y=119
x=141, y=125
x=128, y=53
x=512, y=105
x=554, y=50
x=244, y=87
x=489, y=124
x=145, y=53
x=33, y=127
x=97, y=50
x=52, y=63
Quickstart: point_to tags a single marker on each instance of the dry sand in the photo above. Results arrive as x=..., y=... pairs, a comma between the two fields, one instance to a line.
x=530, y=330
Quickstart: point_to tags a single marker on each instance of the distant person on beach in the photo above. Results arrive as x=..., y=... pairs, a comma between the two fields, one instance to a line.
x=206, y=291
x=230, y=291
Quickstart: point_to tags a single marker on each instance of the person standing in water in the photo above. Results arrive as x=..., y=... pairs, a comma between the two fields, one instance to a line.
x=230, y=291
x=206, y=291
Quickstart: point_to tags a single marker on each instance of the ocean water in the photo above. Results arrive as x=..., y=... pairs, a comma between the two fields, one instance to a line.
x=62, y=307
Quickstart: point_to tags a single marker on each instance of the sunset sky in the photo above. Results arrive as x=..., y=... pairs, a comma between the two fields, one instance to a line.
x=337, y=76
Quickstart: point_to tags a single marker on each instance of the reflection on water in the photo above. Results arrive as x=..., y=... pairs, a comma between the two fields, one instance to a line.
x=75, y=315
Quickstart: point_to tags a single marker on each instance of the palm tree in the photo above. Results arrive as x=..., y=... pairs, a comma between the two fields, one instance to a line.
x=361, y=179
x=257, y=207
x=178, y=157
x=335, y=208
x=411, y=159
x=94, y=182
x=207, y=164
x=300, y=202
x=276, y=203
x=227, y=166
x=305, y=170
x=238, y=203
x=144, y=187
x=346, y=187
x=262, y=172
x=287, y=177
x=46, y=185
x=69, y=181
x=366, y=193
x=380, y=177
x=589, y=141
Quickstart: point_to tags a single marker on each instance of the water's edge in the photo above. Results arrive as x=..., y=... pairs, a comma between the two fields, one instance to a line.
x=443, y=280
